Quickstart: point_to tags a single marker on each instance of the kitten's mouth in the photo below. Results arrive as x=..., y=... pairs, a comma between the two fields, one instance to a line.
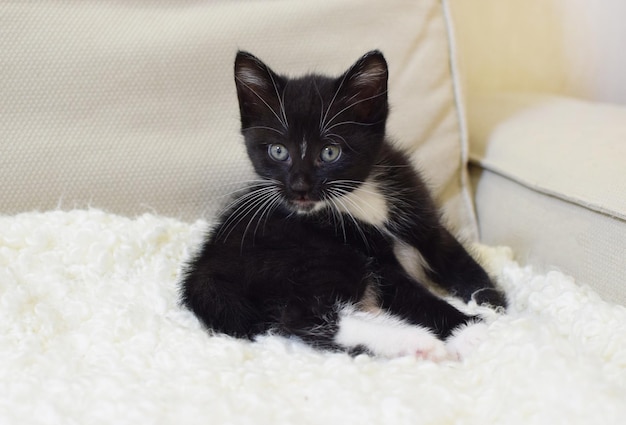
x=304, y=205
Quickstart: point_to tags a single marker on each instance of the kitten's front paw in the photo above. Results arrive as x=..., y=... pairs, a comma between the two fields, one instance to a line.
x=490, y=297
x=465, y=339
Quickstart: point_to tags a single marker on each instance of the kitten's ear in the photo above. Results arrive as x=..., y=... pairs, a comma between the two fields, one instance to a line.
x=364, y=86
x=258, y=88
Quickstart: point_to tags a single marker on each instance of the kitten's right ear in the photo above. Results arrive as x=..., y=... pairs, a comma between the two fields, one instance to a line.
x=258, y=87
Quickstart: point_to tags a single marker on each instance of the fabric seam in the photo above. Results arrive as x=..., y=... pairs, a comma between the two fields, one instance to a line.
x=461, y=117
x=545, y=191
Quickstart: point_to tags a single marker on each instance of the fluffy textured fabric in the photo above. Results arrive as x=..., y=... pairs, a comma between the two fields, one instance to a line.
x=91, y=332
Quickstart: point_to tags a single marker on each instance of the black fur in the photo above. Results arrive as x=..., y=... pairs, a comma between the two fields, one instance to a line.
x=277, y=261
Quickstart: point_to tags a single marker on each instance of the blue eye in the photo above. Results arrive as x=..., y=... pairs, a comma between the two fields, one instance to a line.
x=330, y=153
x=278, y=152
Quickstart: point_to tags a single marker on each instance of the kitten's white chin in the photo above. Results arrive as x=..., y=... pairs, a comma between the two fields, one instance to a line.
x=306, y=207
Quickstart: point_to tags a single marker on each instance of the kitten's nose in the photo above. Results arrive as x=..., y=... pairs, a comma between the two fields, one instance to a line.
x=300, y=187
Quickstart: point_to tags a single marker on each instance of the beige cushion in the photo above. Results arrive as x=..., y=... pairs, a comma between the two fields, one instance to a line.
x=550, y=178
x=130, y=106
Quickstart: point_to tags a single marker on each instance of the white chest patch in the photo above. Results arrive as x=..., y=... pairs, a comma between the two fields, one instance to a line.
x=367, y=203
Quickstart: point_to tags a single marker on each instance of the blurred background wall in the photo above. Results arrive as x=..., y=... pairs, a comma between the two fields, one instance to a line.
x=569, y=47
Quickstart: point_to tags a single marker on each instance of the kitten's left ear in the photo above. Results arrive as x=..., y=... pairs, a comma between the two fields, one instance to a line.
x=365, y=85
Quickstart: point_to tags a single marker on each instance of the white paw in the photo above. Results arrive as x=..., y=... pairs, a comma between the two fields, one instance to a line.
x=465, y=339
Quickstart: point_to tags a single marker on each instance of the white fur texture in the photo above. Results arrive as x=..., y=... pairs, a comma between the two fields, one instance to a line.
x=91, y=333
x=388, y=336
x=465, y=339
x=250, y=77
x=411, y=260
x=367, y=203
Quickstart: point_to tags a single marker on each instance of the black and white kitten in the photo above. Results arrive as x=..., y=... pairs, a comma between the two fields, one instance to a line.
x=336, y=239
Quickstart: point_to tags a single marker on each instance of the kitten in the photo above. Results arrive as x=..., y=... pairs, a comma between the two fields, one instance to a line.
x=337, y=238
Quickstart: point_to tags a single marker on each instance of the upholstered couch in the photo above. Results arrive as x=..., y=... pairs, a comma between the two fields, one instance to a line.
x=546, y=112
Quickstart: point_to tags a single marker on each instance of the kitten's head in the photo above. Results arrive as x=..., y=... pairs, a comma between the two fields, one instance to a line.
x=314, y=138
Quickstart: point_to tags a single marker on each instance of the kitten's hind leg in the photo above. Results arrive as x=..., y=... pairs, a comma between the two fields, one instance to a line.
x=220, y=306
x=314, y=324
x=343, y=326
x=386, y=335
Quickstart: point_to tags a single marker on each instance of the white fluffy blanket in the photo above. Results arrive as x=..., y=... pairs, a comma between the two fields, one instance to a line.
x=91, y=332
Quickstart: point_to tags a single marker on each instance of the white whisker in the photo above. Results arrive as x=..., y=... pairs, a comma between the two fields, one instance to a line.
x=336, y=215
x=261, y=183
x=247, y=184
x=393, y=166
x=352, y=105
x=248, y=204
x=278, y=200
x=323, y=123
x=339, y=199
x=281, y=99
x=351, y=122
x=260, y=127
x=331, y=135
x=321, y=104
x=261, y=209
x=284, y=123
x=364, y=200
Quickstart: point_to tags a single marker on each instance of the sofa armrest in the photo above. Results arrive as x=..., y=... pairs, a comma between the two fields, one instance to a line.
x=549, y=181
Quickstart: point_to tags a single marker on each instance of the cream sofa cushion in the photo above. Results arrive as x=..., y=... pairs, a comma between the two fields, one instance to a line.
x=550, y=177
x=130, y=106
